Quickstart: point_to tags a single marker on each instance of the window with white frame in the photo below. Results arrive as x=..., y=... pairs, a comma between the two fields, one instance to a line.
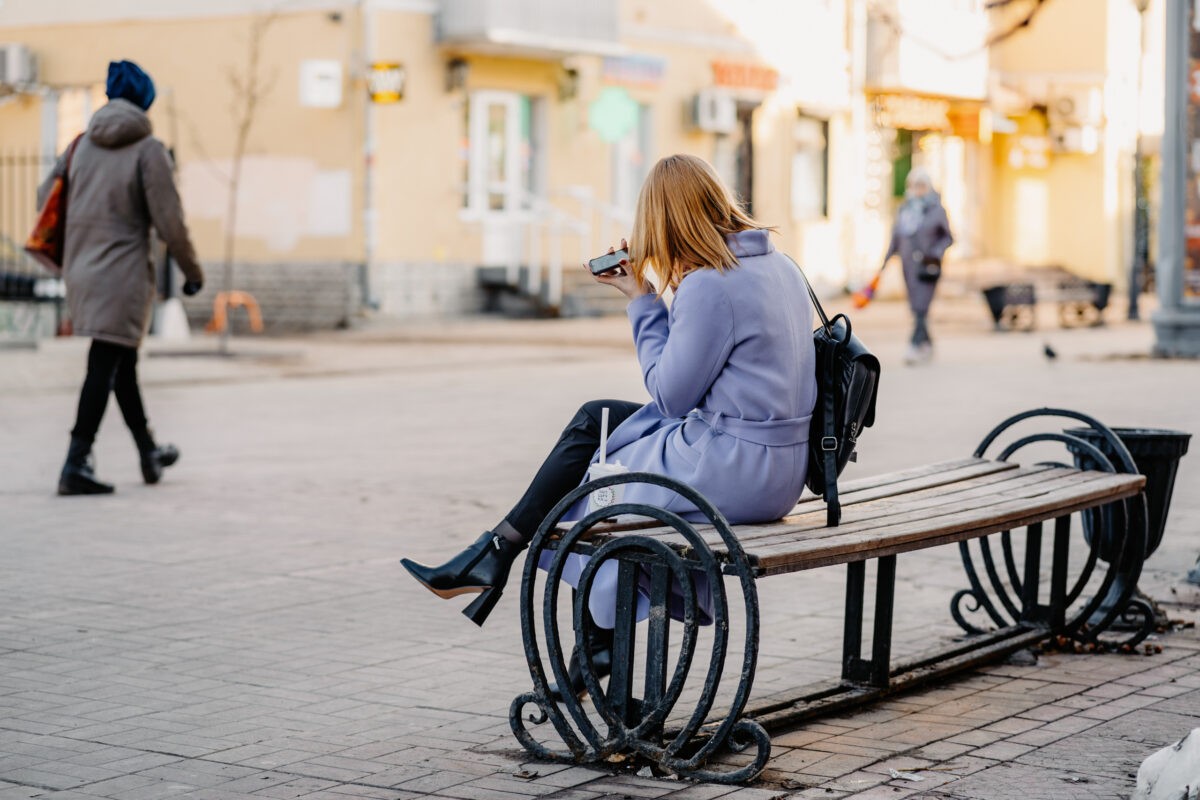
x=810, y=169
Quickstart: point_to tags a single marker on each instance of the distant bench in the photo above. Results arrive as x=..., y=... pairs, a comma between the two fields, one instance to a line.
x=952, y=502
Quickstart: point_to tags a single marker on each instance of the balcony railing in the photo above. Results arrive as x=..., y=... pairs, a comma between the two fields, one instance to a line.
x=530, y=27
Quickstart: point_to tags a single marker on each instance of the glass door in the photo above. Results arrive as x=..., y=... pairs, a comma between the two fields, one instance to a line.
x=499, y=171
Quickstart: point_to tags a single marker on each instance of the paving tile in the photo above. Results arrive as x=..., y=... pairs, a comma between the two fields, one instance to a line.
x=976, y=738
x=212, y=639
x=1002, y=751
x=1016, y=781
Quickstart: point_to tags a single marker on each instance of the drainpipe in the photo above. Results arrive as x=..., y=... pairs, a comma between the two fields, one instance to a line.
x=369, y=284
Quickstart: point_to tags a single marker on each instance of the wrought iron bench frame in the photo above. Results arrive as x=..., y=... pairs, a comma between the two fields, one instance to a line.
x=1116, y=524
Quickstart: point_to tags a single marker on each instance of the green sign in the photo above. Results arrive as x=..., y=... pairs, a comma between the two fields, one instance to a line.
x=613, y=114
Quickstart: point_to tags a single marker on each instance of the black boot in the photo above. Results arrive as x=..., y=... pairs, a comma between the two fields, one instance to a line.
x=77, y=476
x=599, y=642
x=154, y=457
x=483, y=567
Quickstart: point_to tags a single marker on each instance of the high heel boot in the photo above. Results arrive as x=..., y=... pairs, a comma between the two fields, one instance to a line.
x=77, y=476
x=483, y=567
x=599, y=643
x=154, y=457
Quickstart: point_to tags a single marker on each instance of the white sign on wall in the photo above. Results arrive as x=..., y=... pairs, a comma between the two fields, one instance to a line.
x=321, y=83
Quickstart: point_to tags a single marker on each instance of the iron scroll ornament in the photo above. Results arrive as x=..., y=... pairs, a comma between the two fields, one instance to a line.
x=637, y=729
x=1119, y=529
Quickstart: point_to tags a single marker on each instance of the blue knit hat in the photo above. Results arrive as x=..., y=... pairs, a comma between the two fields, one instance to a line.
x=127, y=81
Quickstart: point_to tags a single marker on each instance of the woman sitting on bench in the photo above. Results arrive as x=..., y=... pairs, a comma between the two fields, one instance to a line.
x=729, y=367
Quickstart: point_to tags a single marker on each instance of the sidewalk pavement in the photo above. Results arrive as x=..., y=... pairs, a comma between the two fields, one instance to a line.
x=242, y=630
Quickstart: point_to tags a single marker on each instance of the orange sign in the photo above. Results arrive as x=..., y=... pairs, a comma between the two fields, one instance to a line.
x=740, y=75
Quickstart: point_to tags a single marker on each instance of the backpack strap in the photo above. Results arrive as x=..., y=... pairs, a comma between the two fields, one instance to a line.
x=829, y=444
x=829, y=437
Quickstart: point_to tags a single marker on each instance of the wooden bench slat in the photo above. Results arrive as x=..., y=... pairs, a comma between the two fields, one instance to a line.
x=862, y=515
x=812, y=524
x=852, y=492
x=910, y=480
x=1000, y=502
x=967, y=524
x=925, y=504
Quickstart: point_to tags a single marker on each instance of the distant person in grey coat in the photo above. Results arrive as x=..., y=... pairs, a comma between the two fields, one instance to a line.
x=920, y=237
x=120, y=186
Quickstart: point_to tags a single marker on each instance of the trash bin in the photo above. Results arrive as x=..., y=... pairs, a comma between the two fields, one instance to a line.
x=1156, y=453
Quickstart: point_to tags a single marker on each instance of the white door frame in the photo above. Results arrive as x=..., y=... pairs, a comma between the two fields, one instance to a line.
x=502, y=228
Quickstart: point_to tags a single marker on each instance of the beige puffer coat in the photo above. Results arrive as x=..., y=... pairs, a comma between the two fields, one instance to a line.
x=120, y=184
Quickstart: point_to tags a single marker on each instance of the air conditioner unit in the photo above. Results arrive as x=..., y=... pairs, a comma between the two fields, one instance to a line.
x=714, y=111
x=1075, y=106
x=18, y=66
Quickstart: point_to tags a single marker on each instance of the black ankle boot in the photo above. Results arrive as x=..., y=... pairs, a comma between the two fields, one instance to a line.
x=153, y=461
x=483, y=567
x=599, y=643
x=154, y=457
x=77, y=476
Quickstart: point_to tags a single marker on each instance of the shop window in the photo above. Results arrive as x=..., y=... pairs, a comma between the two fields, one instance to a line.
x=733, y=157
x=631, y=160
x=810, y=169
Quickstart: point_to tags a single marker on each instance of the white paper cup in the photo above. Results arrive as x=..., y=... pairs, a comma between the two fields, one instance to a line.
x=609, y=495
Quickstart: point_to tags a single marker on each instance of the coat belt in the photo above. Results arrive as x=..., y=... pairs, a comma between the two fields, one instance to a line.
x=770, y=432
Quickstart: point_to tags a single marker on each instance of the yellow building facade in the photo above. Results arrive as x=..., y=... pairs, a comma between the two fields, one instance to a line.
x=400, y=150
x=1075, y=88
x=510, y=143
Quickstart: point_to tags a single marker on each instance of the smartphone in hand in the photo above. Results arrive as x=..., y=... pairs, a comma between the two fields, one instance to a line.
x=607, y=261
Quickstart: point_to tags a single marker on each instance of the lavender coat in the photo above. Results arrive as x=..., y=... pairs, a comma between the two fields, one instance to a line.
x=731, y=374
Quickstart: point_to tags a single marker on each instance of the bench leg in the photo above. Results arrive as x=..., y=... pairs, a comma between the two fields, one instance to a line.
x=684, y=584
x=855, y=669
x=1030, y=582
x=620, y=683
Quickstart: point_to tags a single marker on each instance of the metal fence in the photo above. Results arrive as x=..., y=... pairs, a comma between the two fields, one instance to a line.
x=30, y=299
x=20, y=174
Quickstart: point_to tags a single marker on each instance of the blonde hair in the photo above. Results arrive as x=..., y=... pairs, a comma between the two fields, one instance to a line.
x=683, y=213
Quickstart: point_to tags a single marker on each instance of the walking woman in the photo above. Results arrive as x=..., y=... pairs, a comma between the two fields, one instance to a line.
x=920, y=237
x=729, y=368
x=120, y=184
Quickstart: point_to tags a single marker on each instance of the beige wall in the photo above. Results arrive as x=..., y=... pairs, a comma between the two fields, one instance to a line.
x=303, y=194
x=1077, y=211
x=299, y=197
x=1067, y=36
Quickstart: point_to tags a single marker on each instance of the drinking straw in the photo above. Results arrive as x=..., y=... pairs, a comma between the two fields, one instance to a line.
x=603, y=434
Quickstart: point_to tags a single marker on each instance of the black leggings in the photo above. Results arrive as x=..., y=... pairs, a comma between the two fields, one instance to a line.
x=568, y=462
x=111, y=368
x=920, y=334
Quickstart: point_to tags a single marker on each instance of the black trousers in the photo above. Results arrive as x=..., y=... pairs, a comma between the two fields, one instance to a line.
x=112, y=368
x=568, y=462
x=920, y=334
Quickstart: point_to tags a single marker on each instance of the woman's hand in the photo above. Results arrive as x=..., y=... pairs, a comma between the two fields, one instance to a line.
x=620, y=277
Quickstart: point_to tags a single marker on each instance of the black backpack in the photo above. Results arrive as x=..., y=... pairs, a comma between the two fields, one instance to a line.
x=847, y=383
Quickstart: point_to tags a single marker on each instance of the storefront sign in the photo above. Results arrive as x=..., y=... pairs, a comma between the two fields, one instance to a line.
x=908, y=112
x=385, y=82
x=740, y=75
x=613, y=114
x=633, y=71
